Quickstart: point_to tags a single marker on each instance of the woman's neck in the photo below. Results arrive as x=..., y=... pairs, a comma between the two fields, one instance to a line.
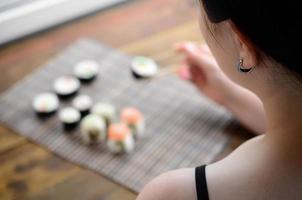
x=284, y=114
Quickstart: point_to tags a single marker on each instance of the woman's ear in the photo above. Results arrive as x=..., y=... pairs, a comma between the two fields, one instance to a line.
x=247, y=51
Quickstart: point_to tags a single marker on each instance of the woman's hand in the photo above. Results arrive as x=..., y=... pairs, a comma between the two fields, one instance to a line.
x=204, y=71
x=208, y=77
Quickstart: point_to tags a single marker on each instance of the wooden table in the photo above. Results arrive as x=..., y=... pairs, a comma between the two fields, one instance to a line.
x=141, y=27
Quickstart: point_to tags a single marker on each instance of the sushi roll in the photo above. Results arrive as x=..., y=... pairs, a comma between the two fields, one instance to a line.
x=86, y=70
x=70, y=118
x=83, y=103
x=135, y=120
x=45, y=104
x=66, y=86
x=143, y=67
x=120, y=139
x=93, y=129
x=106, y=111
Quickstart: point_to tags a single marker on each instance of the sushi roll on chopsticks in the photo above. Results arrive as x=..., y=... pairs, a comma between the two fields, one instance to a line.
x=106, y=111
x=86, y=70
x=66, y=86
x=70, y=118
x=45, y=104
x=143, y=67
x=83, y=103
x=120, y=139
x=93, y=129
x=135, y=120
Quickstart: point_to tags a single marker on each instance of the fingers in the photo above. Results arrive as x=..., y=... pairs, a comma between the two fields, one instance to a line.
x=193, y=74
x=190, y=50
x=205, y=48
x=183, y=46
x=189, y=69
x=184, y=72
x=197, y=76
x=195, y=55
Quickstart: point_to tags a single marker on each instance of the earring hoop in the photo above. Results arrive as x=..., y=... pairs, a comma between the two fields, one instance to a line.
x=241, y=68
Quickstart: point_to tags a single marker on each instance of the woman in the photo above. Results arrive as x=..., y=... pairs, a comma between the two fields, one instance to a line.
x=255, y=42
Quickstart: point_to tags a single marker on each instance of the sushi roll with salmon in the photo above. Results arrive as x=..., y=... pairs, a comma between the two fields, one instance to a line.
x=120, y=139
x=70, y=118
x=45, y=104
x=135, y=120
x=66, y=86
x=93, y=129
x=106, y=111
x=86, y=70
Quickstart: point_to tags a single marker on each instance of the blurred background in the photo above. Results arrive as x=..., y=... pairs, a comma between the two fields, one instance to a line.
x=19, y=18
x=32, y=32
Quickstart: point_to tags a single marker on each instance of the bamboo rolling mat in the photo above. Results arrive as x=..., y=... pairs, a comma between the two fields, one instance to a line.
x=184, y=128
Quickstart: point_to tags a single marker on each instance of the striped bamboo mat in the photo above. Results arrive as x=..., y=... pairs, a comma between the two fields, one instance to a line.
x=184, y=129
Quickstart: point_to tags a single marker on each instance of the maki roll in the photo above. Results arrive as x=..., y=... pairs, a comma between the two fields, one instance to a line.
x=66, y=86
x=120, y=139
x=82, y=103
x=45, y=104
x=135, y=120
x=70, y=118
x=143, y=67
x=86, y=70
x=93, y=129
x=106, y=111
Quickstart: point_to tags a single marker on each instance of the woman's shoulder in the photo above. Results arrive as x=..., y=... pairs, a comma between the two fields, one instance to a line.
x=251, y=172
x=174, y=185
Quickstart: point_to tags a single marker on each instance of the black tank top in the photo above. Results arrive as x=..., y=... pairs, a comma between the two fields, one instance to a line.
x=201, y=183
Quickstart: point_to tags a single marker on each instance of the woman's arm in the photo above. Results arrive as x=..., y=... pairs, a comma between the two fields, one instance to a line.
x=211, y=81
x=246, y=107
x=174, y=185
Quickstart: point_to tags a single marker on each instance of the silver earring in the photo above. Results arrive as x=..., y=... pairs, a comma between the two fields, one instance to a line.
x=241, y=68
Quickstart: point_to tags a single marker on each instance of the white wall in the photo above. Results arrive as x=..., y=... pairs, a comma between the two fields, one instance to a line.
x=27, y=19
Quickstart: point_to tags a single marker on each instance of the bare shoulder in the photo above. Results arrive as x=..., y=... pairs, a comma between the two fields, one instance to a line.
x=176, y=185
x=254, y=171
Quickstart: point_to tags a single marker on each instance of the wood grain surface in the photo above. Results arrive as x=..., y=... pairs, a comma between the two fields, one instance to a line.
x=142, y=27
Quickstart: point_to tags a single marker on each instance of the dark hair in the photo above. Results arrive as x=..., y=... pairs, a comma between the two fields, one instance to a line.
x=274, y=27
